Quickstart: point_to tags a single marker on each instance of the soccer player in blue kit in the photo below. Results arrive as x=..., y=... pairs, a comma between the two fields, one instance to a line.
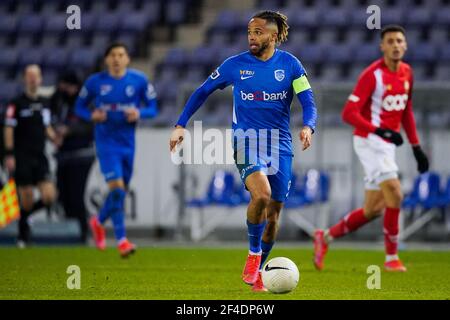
x=121, y=96
x=264, y=80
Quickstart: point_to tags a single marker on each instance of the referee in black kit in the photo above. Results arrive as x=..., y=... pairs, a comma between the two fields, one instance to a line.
x=27, y=125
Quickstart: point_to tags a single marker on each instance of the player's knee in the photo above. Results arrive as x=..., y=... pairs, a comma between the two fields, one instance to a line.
x=261, y=198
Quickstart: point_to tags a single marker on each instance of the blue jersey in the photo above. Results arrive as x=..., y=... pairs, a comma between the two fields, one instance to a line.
x=262, y=93
x=114, y=96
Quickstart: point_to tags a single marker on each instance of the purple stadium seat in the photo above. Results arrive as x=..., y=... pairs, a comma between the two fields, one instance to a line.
x=152, y=9
x=129, y=40
x=30, y=24
x=8, y=90
x=50, y=8
x=269, y=4
x=100, y=6
x=327, y=36
x=74, y=40
x=303, y=17
x=219, y=37
x=338, y=53
x=49, y=77
x=108, y=22
x=177, y=57
x=100, y=41
x=422, y=16
x=226, y=20
x=49, y=40
x=335, y=17
x=25, y=7
x=442, y=72
x=30, y=56
x=169, y=73
x=24, y=41
x=126, y=6
x=176, y=11
x=299, y=36
x=56, y=24
x=443, y=16
x=444, y=55
x=358, y=17
x=355, y=71
x=355, y=37
x=194, y=75
x=89, y=21
x=424, y=52
x=8, y=24
x=439, y=35
x=203, y=56
x=331, y=73
x=394, y=15
x=134, y=22
x=84, y=58
x=312, y=53
x=366, y=53
x=55, y=58
x=8, y=57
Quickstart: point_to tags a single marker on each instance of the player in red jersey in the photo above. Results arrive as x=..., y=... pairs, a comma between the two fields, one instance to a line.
x=378, y=106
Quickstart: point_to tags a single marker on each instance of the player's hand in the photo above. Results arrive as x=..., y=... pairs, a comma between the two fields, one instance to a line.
x=62, y=130
x=391, y=135
x=306, y=137
x=98, y=115
x=132, y=114
x=10, y=163
x=176, y=138
x=421, y=158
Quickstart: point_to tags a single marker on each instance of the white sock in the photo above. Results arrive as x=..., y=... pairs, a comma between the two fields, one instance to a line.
x=255, y=253
x=391, y=257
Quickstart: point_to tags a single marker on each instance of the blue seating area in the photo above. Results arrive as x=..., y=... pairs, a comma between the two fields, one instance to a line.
x=34, y=31
x=429, y=192
x=224, y=190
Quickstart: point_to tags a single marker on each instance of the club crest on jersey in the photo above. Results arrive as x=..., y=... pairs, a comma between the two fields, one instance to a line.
x=129, y=90
x=279, y=74
x=215, y=74
x=105, y=89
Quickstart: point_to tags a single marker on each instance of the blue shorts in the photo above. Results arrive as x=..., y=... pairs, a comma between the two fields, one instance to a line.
x=278, y=170
x=116, y=165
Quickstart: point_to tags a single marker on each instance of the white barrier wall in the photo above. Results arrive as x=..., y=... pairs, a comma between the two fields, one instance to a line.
x=155, y=174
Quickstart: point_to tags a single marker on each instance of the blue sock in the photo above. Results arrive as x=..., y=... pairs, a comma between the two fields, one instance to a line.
x=255, y=232
x=114, y=208
x=105, y=211
x=266, y=247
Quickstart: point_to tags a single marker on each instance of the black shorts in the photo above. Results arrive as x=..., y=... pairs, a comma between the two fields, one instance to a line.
x=31, y=169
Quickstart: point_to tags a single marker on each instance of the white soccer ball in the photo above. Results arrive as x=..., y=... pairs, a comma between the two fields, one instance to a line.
x=280, y=275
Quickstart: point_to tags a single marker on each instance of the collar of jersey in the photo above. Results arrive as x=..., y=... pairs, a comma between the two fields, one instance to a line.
x=267, y=61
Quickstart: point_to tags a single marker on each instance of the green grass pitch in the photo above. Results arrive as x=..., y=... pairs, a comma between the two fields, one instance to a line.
x=211, y=273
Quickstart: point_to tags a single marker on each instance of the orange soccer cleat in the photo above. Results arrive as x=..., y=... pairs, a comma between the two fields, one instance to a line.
x=126, y=248
x=250, y=273
x=394, y=266
x=258, y=286
x=320, y=249
x=98, y=232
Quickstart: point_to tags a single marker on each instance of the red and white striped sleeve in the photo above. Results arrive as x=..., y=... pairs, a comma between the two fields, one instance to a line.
x=408, y=120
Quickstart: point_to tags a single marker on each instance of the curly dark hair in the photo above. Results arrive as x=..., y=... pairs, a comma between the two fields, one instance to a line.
x=277, y=18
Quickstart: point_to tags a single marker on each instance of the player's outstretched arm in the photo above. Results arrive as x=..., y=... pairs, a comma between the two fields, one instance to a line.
x=306, y=97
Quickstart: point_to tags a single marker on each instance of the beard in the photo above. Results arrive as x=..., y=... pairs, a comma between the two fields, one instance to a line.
x=259, y=51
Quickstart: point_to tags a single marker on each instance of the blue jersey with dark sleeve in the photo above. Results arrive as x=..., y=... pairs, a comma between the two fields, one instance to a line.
x=114, y=96
x=262, y=93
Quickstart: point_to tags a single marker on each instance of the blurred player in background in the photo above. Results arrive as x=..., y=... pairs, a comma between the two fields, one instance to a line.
x=27, y=127
x=76, y=153
x=380, y=104
x=264, y=81
x=117, y=95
